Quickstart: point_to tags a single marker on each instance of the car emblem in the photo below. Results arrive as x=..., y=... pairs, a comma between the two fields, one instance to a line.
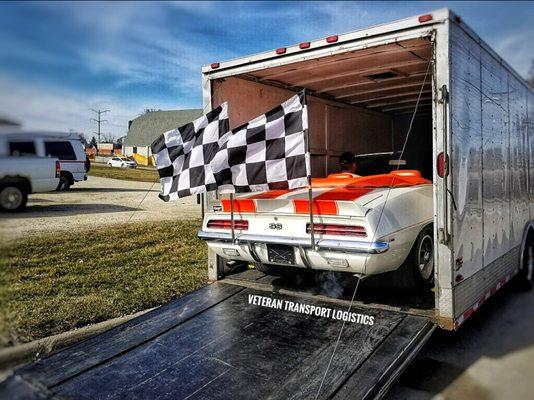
x=275, y=225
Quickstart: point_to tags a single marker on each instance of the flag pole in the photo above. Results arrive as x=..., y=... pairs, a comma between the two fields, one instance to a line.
x=232, y=217
x=309, y=177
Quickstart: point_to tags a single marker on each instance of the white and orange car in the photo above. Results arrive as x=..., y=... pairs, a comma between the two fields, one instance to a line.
x=365, y=225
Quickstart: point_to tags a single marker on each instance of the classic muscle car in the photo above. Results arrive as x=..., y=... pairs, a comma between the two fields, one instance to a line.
x=365, y=225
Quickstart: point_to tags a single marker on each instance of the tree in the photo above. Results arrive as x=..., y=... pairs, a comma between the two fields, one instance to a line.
x=92, y=143
x=530, y=78
x=83, y=139
x=149, y=110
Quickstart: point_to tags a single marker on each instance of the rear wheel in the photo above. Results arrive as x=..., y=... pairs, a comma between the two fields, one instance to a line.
x=13, y=198
x=418, y=269
x=65, y=182
x=525, y=276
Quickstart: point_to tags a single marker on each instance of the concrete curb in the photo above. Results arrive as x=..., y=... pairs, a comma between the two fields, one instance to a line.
x=26, y=352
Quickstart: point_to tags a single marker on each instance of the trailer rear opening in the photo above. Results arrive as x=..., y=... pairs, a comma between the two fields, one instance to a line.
x=362, y=101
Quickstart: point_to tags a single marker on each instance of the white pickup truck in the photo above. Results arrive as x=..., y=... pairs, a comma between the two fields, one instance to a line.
x=20, y=176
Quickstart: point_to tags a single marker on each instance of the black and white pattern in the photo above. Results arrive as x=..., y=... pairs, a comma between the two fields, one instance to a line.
x=183, y=155
x=269, y=152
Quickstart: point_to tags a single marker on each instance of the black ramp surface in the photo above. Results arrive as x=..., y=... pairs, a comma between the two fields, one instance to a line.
x=213, y=344
x=236, y=350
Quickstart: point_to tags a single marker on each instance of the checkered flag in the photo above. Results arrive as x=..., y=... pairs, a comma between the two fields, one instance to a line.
x=183, y=155
x=269, y=152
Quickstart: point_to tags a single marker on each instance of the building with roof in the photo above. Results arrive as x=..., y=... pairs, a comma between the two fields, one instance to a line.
x=143, y=130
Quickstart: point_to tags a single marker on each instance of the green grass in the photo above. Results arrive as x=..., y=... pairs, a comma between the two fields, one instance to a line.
x=55, y=283
x=128, y=174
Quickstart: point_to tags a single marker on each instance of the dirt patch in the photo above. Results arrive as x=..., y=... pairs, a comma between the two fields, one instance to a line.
x=95, y=204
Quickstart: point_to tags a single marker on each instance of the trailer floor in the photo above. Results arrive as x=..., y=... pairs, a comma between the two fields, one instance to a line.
x=213, y=344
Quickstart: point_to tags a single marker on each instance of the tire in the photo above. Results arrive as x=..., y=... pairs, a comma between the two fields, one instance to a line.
x=275, y=270
x=525, y=276
x=13, y=198
x=109, y=165
x=65, y=182
x=87, y=164
x=418, y=268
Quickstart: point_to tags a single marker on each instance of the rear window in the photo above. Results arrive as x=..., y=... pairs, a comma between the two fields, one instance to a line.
x=21, y=149
x=61, y=150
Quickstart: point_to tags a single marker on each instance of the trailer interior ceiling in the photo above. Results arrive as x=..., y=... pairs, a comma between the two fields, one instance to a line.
x=385, y=78
x=361, y=100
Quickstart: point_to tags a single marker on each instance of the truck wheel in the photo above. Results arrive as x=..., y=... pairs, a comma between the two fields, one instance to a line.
x=13, y=198
x=418, y=269
x=525, y=276
x=65, y=182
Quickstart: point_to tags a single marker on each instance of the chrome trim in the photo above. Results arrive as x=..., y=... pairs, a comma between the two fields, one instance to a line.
x=355, y=246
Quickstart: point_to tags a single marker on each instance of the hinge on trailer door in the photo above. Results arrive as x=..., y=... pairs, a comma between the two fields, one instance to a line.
x=444, y=95
x=443, y=237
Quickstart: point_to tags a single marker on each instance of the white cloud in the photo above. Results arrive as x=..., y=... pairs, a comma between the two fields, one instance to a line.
x=50, y=108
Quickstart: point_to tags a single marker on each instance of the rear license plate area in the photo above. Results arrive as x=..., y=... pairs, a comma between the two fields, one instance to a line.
x=281, y=254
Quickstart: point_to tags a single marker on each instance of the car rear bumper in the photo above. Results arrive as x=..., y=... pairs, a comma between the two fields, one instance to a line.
x=376, y=247
x=336, y=255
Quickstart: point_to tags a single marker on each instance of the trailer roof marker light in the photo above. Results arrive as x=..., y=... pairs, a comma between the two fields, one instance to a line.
x=425, y=18
x=215, y=65
x=281, y=50
x=304, y=45
x=332, y=39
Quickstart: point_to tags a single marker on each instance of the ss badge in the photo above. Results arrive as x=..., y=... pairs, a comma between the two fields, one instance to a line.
x=275, y=225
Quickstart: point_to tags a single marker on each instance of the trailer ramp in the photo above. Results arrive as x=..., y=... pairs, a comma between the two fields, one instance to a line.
x=214, y=344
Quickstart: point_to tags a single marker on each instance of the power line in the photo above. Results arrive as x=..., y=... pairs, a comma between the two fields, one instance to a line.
x=98, y=120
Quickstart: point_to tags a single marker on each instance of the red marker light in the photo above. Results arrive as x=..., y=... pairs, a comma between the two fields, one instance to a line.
x=215, y=65
x=281, y=50
x=332, y=39
x=425, y=18
x=304, y=45
x=443, y=165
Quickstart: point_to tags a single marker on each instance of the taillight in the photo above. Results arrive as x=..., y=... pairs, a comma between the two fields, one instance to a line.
x=215, y=65
x=443, y=165
x=281, y=50
x=304, y=45
x=334, y=229
x=239, y=224
x=425, y=18
x=58, y=169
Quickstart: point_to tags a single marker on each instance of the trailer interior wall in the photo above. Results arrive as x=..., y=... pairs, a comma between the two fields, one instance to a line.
x=334, y=127
x=489, y=108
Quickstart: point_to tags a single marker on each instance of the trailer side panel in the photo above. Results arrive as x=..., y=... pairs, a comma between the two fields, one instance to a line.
x=489, y=131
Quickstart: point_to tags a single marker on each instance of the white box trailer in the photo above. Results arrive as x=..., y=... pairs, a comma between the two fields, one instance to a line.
x=471, y=134
x=221, y=343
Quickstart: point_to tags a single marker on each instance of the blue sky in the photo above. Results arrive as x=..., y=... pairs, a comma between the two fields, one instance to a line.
x=59, y=59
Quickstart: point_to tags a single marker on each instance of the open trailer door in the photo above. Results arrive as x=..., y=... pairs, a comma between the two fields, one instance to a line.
x=235, y=339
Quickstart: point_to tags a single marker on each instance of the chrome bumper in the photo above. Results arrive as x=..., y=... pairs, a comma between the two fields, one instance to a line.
x=354, y=246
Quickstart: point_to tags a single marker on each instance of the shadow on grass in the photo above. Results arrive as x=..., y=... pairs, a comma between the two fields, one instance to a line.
x=62, y=210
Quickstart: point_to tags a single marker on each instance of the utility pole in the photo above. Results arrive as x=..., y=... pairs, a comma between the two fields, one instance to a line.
x=99, y=121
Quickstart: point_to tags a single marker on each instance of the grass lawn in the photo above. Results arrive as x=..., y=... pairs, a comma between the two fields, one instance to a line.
x=55, y=283
x=128, y=174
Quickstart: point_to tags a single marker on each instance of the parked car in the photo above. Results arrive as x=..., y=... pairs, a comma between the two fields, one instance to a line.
x=273, y=228
x=121, y=162
x=66, y=147
x=20, y=176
